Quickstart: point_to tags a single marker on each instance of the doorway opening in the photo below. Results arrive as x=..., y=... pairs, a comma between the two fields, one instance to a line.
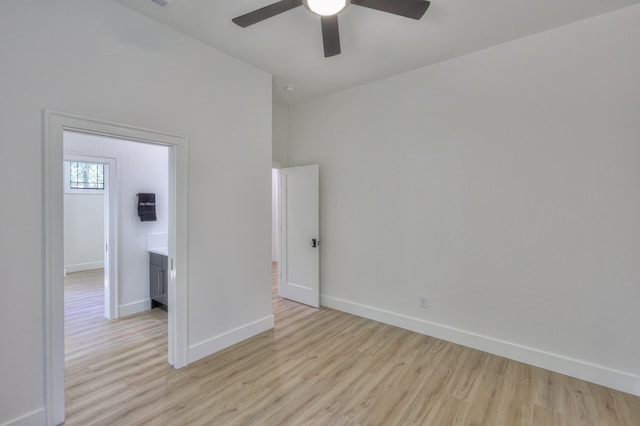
x=55, y=124
x=90, y=200
x=119, y=169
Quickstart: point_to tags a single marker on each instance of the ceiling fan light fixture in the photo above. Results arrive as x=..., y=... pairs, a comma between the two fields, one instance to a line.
x=328, y=11
x=326, y=7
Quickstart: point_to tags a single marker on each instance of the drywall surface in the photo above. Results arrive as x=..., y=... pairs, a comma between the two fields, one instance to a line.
x=505, y=186
x=140, y=167
x=83, y=231
x=102, y=60
x=280, y=134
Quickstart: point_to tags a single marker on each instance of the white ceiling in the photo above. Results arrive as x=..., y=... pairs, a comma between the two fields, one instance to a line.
x=374, y=44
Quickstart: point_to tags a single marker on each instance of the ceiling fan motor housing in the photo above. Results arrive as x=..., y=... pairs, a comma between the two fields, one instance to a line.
x=326, y=7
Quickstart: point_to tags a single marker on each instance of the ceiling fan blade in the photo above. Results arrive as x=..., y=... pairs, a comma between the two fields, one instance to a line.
x=408, y=8
x=266, y=12
x=330, y=35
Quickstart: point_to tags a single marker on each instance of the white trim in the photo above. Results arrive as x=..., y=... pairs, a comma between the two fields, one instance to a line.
x=229, y=338
x=54, y=124
x=69, y=269
x=110, y=251
x=275, y=222
x=134, y=308
x=178, y=249
x=36, y=417
x=619, y=380
x=52, y=247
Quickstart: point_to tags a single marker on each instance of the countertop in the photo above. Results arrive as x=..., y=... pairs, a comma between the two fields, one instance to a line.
x=161, y=251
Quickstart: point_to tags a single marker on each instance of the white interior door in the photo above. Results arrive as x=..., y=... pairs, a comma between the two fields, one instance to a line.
x=300, y=234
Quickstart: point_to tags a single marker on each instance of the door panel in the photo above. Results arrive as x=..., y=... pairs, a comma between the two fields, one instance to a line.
x=300, y=226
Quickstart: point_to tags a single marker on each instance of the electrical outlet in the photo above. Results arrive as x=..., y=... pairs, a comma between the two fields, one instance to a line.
x=424, y=301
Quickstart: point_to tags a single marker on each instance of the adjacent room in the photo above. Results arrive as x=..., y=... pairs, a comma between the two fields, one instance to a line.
x=396, y=212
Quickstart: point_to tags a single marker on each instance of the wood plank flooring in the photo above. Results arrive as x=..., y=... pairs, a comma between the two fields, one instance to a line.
x=317, y=367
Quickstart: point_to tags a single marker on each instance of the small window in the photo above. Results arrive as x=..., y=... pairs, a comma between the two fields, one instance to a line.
x=86, y=175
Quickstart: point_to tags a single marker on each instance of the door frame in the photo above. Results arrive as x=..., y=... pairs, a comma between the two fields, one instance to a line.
x=54, y=125
x=109, y=251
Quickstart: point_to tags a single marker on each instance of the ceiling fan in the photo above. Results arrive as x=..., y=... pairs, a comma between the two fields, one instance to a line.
x=328, y=11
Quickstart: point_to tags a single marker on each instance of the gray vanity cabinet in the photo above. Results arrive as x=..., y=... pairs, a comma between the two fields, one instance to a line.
x=158, y=280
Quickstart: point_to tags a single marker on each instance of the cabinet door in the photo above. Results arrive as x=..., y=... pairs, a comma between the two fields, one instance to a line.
x=155, y=283
x=158, y=280
x=164, y=295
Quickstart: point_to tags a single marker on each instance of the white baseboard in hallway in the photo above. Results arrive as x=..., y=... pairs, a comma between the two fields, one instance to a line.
x=36, y=417
x=69, y=269
x=134, y=308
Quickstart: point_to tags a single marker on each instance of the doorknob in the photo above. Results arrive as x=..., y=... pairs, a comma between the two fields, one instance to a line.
x=315, y=242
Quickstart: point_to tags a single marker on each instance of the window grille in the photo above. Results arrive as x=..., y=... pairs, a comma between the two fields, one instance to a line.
x=86, y=175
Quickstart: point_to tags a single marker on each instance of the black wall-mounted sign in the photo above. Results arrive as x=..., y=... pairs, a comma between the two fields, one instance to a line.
x=147, y=207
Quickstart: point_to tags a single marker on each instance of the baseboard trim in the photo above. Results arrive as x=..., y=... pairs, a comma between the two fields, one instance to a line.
x=619, y=380
x=68, y=269
x=36, y=417
x=229, y=338
x=134, y=308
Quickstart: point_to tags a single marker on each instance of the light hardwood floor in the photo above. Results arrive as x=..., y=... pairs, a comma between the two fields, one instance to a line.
x=317, y=367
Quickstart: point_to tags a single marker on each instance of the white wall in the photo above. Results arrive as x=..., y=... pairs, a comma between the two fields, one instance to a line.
x=83, y=231
x=280, y=134
x=140, y=167
x=280, y=150
x=505, y=186
x=100, y=59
